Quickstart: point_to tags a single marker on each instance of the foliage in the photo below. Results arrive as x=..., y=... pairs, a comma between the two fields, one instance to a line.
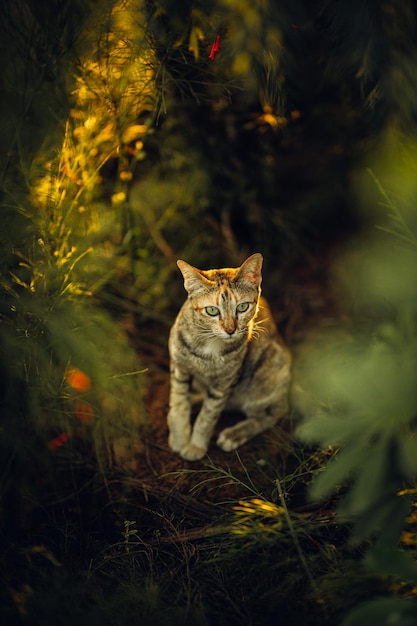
x=384, y=611
x=364, y=390
x=162, y=567
x=138, y=132
x=379, y=52
x=54, y=242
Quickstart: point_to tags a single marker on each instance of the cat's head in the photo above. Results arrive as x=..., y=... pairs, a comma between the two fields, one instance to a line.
x=224, y=301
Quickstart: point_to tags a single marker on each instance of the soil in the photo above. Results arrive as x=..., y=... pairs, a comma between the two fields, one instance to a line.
x=153, y=510
x=192, y=494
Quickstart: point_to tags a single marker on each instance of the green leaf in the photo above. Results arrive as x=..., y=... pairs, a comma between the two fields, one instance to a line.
x=392, y=562
x=340, y=469
x=331, y=430
x=385, y=517
x=407, y=454
x=371, y=483
x=384, y=612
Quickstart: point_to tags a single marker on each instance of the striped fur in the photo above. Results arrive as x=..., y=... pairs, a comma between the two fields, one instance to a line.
x=224, y=344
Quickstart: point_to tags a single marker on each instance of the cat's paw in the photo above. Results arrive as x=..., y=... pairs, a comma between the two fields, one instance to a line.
x=229, y=440
x=177, y=443
x=191, y=452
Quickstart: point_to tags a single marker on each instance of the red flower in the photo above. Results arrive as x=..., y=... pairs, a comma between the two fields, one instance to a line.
x=78, y=380
x=59, y=441
x=215, y=48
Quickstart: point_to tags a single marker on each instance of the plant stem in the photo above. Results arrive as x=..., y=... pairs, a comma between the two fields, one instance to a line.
x=295, y=538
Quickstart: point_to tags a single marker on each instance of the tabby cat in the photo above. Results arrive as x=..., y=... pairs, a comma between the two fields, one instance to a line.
x=225, y=344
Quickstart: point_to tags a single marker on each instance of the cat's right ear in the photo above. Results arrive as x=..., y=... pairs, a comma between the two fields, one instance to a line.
x=251, y=270
x=193, y=278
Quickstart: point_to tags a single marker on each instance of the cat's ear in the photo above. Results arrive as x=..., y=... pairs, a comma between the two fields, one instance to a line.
x=193, y=278
x=250, y=270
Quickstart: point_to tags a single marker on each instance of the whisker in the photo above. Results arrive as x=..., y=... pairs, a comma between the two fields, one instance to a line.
x=258, y=329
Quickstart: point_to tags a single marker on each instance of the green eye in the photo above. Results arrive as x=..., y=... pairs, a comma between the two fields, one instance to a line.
x=242, y=307
x=212, y=310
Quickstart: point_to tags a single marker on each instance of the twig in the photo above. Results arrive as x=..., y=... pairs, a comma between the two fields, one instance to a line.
x=295, y=538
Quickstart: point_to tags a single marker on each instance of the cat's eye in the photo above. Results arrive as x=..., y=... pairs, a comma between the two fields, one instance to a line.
x=242, y=307
x=212, y=310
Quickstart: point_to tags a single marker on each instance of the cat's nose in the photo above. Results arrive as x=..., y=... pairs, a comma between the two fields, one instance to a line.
x=229, y=326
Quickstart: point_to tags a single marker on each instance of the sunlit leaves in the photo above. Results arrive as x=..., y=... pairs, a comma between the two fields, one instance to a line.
x=196, y=35
x=257, y=516
x=114, y=87
x=63, y=381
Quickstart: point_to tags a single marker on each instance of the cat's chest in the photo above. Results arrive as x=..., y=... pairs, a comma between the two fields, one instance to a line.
x=211, y=356
x=217, y=350
x=214, y=357
x=212, y=368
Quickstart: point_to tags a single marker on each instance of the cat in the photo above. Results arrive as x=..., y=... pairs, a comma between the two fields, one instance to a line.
x=225, y=343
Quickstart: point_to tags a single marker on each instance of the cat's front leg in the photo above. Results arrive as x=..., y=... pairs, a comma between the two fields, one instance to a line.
x=179, y=409
x=205, y=423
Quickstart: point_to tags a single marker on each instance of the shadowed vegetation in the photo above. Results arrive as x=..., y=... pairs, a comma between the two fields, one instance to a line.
x=134, y=134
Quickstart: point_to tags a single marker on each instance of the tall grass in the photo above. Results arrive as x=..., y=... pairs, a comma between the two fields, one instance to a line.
x=71, y=381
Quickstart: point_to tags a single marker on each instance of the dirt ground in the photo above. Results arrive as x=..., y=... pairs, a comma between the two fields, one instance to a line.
x=195, y=492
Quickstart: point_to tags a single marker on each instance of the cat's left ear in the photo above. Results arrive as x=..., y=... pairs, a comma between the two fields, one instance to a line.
x=193, y=278
x=251, y=270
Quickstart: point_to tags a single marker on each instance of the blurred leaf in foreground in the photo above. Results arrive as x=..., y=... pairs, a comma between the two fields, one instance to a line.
x=362, y=378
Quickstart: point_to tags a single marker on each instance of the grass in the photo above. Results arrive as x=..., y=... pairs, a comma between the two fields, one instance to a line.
x=99, y=521
x=111, y=548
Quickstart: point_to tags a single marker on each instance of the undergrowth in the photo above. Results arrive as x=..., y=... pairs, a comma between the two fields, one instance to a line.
x=99, y=194
x=113, y=554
